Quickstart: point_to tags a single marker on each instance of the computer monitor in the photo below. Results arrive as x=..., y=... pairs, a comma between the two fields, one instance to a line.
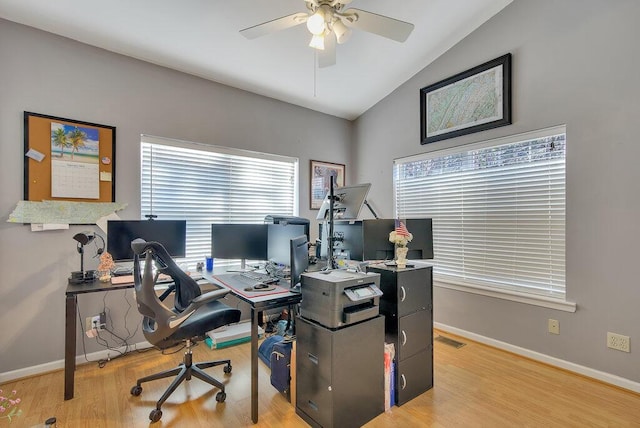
x=287, y=219
x=299, y=247
x=421, y=246
x=369, y=239
x=239, y=241
x=172, y=234
x=347, y=203
x=278, y=237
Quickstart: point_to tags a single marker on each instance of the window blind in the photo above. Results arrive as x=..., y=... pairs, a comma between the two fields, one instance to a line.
x=207, y=184
x=498, y=210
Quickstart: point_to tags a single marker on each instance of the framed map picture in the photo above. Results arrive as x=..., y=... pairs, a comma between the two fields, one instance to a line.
x=321, y=175
x=474, y=100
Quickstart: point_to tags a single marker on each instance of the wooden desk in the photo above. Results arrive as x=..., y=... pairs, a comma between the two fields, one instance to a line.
x=71, y=309
x=258, y=304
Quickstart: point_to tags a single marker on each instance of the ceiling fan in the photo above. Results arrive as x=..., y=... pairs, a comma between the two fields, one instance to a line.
x=328, y=22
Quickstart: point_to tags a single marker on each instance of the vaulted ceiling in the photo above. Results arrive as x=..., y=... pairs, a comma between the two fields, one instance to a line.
x=201, y=37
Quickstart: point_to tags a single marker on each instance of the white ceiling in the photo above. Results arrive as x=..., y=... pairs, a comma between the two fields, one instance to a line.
x=201, y=37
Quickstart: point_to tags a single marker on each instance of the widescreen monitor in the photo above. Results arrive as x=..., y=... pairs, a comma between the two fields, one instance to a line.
x=347, y=203
x=172, y=234
x=239, y=241
x=278, y=238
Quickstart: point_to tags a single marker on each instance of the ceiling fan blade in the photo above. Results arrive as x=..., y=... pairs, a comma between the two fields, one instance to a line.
x=327, y=57
x=274, y=25
x=381, y=25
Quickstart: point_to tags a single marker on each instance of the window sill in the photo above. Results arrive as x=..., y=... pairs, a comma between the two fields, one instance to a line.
x=530, y=299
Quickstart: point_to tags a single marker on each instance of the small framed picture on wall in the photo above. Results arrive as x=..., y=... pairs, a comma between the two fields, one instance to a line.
x=321, y=174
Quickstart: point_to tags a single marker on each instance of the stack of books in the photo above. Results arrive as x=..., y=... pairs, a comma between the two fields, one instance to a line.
x=230, y=335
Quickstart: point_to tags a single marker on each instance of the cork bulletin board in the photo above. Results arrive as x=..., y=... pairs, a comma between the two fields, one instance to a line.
x=68, y=160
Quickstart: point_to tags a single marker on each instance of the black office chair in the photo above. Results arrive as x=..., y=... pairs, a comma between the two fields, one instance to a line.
x=192, y=316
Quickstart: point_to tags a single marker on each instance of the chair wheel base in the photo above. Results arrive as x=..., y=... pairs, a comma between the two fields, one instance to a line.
x=155, y=415
x=221, y=396
x=136, y=390
x=227, y=368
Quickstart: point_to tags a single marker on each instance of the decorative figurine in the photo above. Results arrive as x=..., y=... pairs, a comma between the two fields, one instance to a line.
x=105, y=266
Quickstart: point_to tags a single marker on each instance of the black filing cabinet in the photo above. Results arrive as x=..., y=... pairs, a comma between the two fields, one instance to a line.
x=407, y=304
x=339, y=373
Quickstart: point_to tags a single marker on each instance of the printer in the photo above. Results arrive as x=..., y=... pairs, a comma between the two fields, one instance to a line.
x=338, y=298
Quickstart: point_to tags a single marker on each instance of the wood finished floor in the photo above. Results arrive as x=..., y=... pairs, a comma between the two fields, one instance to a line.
x=475, y=386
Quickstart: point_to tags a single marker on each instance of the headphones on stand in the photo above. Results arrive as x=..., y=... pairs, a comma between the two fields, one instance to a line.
x=82, y=239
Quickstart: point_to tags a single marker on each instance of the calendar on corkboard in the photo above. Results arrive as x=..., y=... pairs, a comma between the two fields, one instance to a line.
x=68, y=160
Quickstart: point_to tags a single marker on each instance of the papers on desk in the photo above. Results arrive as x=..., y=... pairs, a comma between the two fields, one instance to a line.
x=123, y=279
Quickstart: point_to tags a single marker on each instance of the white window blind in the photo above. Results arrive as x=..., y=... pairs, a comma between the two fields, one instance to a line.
x=206, y=184
x=498, y=211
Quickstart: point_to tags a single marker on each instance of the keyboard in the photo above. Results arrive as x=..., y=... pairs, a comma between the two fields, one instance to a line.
x=258, y=277
x=247, y=281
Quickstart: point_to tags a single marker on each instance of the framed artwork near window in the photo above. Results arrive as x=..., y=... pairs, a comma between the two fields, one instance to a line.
x=321, y=174
x=474, y=100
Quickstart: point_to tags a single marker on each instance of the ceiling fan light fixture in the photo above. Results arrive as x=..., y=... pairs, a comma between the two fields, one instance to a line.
x=342, y=31
x=315, y=23
x=317, y=42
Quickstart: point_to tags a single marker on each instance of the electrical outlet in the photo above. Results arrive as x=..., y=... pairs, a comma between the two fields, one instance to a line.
x=553, y=326
x=619, y=342
x=94, y=322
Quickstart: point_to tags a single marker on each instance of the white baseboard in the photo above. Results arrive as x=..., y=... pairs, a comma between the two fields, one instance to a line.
x=552, y=361
x=59, y=364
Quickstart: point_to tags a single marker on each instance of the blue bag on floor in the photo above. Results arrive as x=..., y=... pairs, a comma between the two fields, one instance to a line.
x=264, y=351
x=281, y=366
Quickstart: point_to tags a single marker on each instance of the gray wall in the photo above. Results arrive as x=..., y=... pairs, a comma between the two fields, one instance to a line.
x=574, y=63
x=51, y=75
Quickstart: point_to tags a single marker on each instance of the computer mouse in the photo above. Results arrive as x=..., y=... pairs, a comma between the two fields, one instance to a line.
x=248, y=289
x=260, y=286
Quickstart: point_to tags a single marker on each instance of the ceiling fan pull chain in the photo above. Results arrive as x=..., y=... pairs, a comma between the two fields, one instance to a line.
x=315, y=69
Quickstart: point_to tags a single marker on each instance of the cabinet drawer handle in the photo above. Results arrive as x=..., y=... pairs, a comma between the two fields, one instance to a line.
x=404, y=381
x=404, y=338
x=313, y=405
x=403, y=293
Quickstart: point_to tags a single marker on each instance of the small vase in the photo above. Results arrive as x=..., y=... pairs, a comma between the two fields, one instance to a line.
x=104, y=275
x=401, y=256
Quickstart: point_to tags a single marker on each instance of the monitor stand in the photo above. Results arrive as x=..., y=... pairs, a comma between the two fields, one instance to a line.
x=243, y=267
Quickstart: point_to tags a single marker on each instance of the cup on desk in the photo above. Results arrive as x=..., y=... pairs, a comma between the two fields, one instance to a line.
x=209, y=263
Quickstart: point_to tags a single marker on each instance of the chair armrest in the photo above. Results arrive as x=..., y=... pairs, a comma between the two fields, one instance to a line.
x=201, y=300
x=210, y=295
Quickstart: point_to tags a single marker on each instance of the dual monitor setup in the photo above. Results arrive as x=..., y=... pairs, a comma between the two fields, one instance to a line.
x=258, y=242
x=284, y=240
x=343, y=236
